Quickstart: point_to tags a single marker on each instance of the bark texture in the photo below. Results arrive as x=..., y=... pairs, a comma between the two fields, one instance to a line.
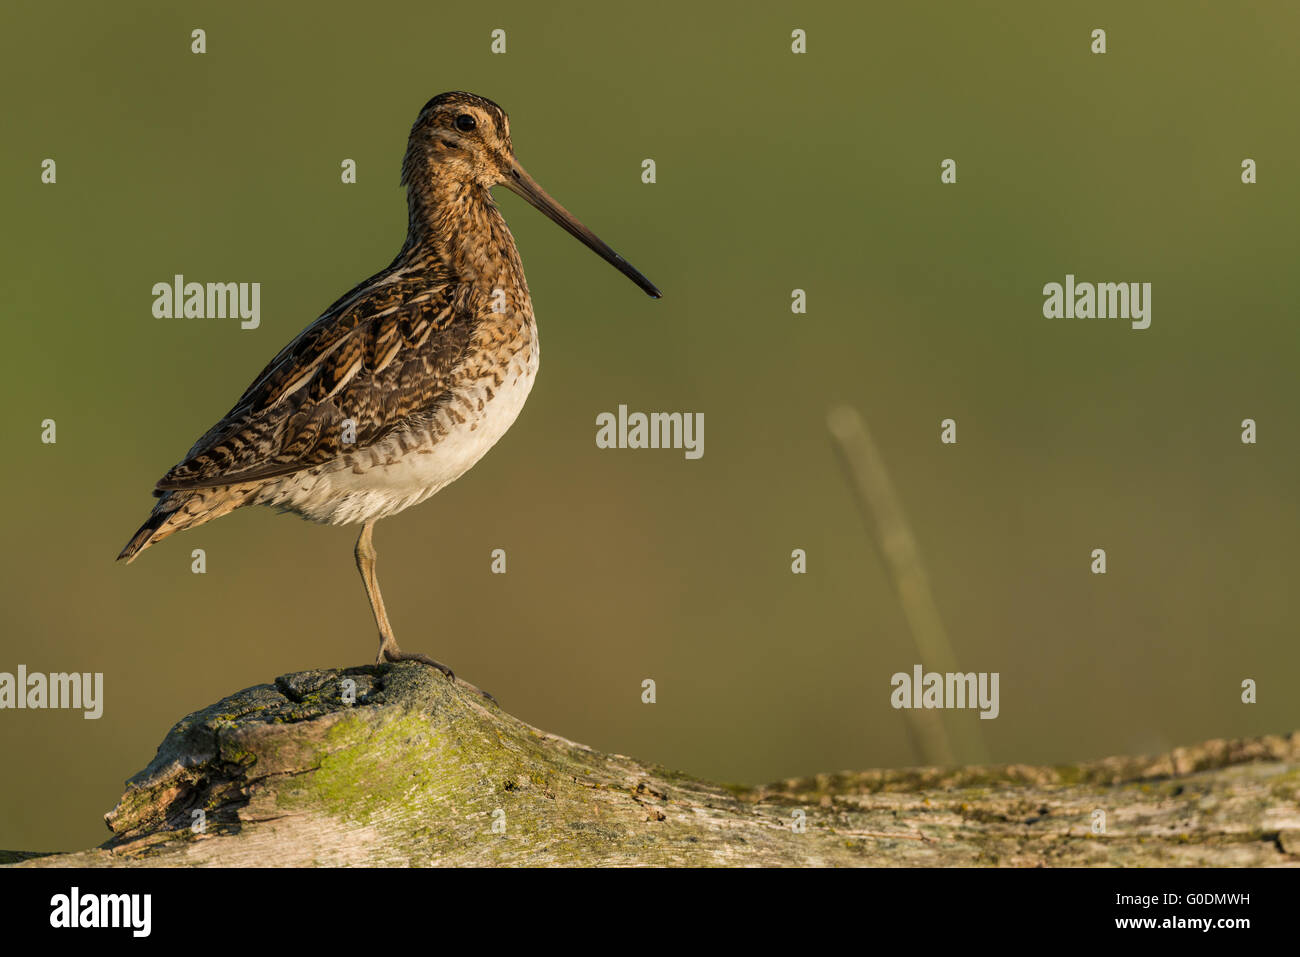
x=418, y=771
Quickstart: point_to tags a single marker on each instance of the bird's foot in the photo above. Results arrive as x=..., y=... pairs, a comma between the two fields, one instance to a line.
x=393, y=653
x=390, y=652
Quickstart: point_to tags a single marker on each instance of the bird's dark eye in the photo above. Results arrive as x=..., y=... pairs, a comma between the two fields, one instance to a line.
x=465, y=122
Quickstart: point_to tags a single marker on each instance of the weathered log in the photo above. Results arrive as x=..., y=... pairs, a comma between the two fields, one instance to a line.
x=418, y=771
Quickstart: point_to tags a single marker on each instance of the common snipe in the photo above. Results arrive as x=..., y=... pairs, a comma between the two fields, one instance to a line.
x=408, y=379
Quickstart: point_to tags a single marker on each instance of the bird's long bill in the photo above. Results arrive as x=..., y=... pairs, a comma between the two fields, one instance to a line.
x=518, y=181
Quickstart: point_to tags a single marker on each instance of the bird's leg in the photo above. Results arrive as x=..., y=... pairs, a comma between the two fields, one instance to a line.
x=388, y=650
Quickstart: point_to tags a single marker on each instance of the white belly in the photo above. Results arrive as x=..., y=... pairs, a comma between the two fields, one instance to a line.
x=383, y=480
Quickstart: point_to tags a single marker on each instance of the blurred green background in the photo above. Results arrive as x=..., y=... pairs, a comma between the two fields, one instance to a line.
x=775, y=172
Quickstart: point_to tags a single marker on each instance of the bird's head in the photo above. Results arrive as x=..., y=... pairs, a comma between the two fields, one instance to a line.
x=461, y=137
x=463, y=140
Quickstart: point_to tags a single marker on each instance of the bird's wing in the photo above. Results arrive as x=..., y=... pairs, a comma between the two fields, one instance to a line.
x=384, y=352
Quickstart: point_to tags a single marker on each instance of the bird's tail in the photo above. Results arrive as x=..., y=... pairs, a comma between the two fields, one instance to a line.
x=176, y=511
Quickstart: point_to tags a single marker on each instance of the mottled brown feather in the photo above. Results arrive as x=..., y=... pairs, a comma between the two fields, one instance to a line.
x=371, y=358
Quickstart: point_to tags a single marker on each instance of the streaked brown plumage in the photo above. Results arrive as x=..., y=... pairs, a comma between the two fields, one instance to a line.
x=405, y=381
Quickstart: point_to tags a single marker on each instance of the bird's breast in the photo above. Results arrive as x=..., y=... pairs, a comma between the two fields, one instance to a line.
x=408, y=466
